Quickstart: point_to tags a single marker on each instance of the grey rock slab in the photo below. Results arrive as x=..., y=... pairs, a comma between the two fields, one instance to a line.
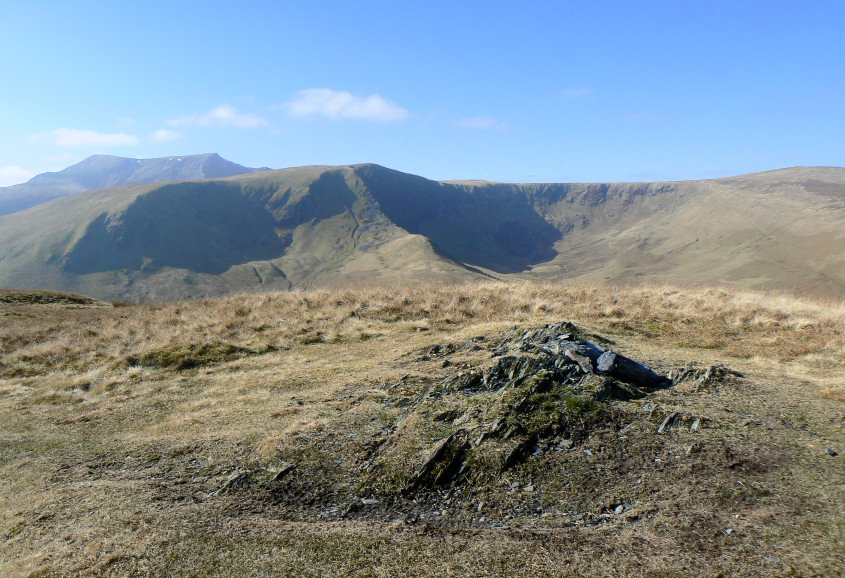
x=606, y=362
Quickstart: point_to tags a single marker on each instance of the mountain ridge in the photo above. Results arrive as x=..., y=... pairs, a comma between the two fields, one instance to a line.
x=102, y=171
x=326, y=226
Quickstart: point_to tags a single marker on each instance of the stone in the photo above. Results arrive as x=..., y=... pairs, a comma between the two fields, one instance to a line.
x=619, y=509
x=236, y=480
x=582, y=360
x=667, y=423
x=831, y=452
x=450, y=452
x=606, y=362
x=534, y=377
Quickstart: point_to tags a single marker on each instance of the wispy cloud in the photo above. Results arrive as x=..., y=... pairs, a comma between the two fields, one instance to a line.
x=70, y=137
x=338, y=104
x=164, y=135
x=576, y=92
x=224, y=116
x=481, y=123
x=13, y=175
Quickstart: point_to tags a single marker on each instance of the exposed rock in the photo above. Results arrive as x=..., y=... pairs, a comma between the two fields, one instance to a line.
x=667, y=423
x=606, y=362
x=543, y=389
x=831, y=452
x=443, y=462
x=437, y=351
x=236, y=480
x=283, y=471
x=703, y=376
x=582, y=360
x=558, y=338
x=564, y=445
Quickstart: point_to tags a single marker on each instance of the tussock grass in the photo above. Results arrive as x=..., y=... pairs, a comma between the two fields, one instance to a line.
x=742, y=323
x=122, y=424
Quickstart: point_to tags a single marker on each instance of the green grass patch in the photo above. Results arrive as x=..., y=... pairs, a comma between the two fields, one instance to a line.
x=180, y=357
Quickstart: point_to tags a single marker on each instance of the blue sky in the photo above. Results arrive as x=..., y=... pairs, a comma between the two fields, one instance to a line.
x=509, y=91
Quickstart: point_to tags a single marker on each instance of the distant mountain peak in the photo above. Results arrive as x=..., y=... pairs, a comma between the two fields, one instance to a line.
x=100, y=171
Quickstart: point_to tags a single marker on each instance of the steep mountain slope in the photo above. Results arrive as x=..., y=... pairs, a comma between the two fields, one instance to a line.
x=495, y=226
x=273, y=230
x=100, y=171
x=782, y=229
x=331, y=226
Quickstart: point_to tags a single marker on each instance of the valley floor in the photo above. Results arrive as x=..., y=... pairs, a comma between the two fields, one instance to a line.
x=288, y=434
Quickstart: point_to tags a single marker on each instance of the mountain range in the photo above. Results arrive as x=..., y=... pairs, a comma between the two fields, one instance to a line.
x=100, y=171
x=325, y=226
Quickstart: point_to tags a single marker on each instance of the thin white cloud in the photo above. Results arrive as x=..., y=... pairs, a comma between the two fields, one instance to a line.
x=481, y=123
x=222, y=116
x=336, y=104
x=13, y=175
x=164, y=135
x=70, y=137
x=576, y=92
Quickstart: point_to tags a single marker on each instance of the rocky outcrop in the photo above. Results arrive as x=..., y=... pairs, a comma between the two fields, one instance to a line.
x=543, y=387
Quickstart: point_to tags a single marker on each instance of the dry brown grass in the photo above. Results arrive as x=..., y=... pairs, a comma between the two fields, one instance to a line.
x=120, y=425
x=741, y=323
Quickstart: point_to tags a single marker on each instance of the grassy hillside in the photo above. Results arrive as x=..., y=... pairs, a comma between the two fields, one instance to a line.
x=288, y=433
x=312, y=227
x=294, y=228
x=777, y=230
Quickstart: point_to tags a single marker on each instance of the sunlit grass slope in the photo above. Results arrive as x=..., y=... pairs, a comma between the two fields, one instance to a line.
x=269, y=435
